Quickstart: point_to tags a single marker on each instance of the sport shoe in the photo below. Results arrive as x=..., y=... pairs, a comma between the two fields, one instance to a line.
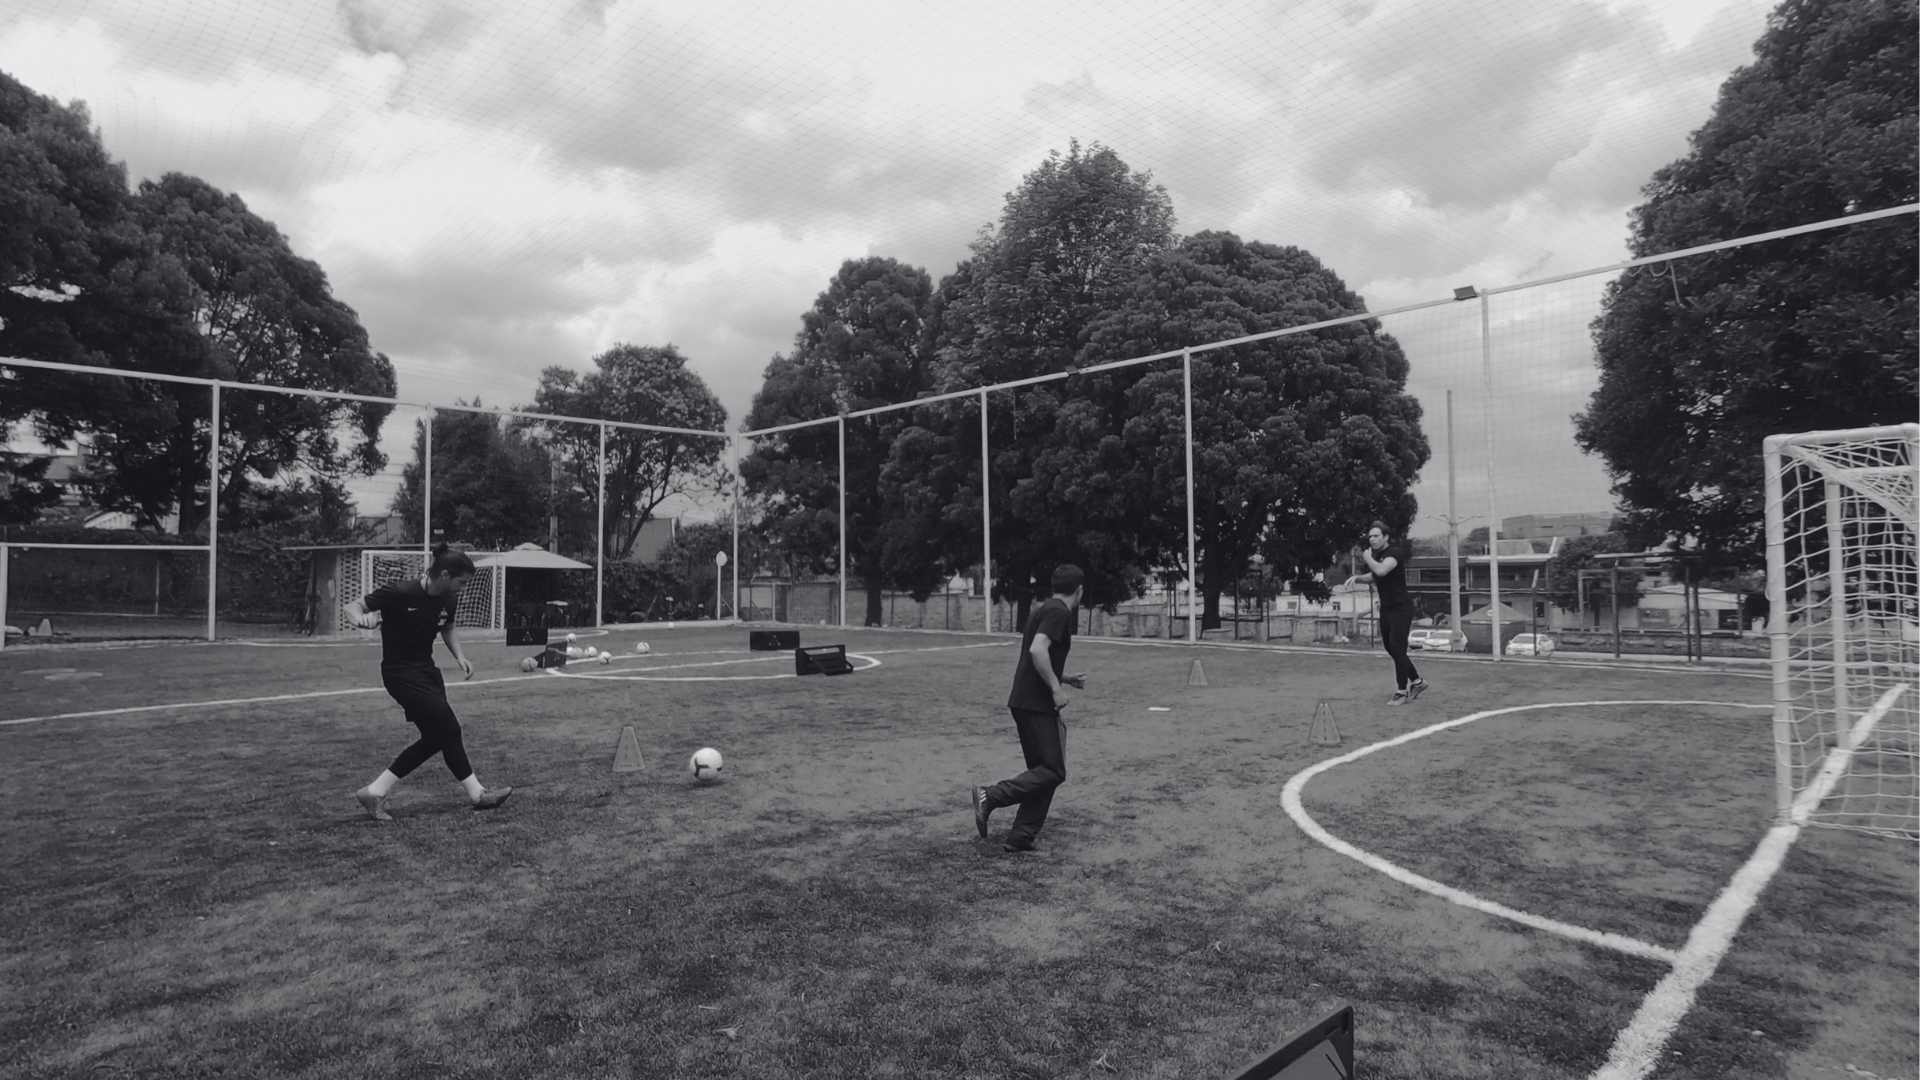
x=374, y=805
x=1012, y=848
x=981, y=808
x=491, y=798
x=1416, y=688
x=1399, y=698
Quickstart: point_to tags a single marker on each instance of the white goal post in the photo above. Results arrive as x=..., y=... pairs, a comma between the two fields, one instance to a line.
x=482, y=600
x=1843, y=591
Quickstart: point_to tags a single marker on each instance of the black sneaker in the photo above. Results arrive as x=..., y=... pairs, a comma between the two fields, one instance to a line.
x=980, y=811
x=1012, y=848
x=1399, y=698
x=1416, y=688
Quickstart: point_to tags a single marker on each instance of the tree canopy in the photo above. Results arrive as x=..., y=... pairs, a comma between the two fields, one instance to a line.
x=639, y=384
x=1702, y=358
x=858, y=347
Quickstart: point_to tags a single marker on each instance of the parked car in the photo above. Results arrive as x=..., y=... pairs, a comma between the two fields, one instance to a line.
x=1530, y=645
x=1446, y=641
x=1417, y=637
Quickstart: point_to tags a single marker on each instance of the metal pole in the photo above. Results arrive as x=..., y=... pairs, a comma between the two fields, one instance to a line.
x=1453, y=530
x=213, y=515
x=600, y=541
x=1493, y=512
x=734, y=442
x=6, y=557
x=1777, y=644
x=1613, y=579
x=1193, y=568
x=1837, y=613
x=426, y=489
x=986, y=521
x=843, y=522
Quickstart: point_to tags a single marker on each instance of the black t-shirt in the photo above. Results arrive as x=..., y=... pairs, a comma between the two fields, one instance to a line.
x=1393, y=584
x=408, y=620
x=1054, y=619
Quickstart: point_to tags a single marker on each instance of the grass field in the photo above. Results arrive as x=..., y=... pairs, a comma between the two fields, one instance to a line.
x=189, y=889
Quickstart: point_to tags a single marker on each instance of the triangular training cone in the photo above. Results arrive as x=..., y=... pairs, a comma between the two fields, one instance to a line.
x=626, y=756
x=1326, y=729
x=45, y=629
x=1196, y=674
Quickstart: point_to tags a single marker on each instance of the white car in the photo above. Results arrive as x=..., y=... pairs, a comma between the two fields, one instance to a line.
x=1530, y=645
x=1417, y=637
x=1446, y=641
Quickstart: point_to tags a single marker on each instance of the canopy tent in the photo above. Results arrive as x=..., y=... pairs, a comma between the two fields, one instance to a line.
x=530, y=557
x=531, y=589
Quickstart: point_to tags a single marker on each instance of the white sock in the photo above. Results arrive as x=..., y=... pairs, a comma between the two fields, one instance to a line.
x=383, y=783
x=472, y=782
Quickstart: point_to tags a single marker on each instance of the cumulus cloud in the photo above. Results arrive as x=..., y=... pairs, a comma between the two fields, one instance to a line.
x=499, y=186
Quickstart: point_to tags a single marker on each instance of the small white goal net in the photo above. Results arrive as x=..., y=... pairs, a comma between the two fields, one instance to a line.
x=1843, y=584
x=480, y=604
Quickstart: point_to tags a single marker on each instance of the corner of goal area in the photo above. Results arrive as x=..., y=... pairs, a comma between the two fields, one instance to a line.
x=1323, y=1051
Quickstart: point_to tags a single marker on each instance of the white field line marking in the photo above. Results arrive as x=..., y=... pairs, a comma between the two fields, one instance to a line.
x=1290, y=799
x=647, y=676
x=1636, y=1050
x=316, y=694
x=1840, y=757
x=1674, y=668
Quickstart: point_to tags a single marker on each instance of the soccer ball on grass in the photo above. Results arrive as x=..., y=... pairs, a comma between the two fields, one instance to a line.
x=705, y=765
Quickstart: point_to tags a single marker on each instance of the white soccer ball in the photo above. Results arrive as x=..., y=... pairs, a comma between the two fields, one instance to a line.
x=571, y=639
x=606, y=658
x=643, y=648
x=705, y=765
x=593, y=650
x=528, y=664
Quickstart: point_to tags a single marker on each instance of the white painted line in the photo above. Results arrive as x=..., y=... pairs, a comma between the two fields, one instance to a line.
x=1290, y=799
x=1671, y=668
x=1840, y=757
x=527, y=679
x=647, y=676
x=1636, y=1050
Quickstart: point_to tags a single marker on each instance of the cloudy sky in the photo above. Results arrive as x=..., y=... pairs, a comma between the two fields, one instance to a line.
x=500, y=187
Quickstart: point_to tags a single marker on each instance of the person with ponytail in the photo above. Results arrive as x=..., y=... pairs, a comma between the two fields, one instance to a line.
x=408, y=613
x=1387, y=569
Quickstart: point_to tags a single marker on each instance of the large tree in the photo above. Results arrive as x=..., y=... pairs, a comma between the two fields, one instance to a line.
x=640, y=384
x=858, y=347
x=1700, y=359
x=178, y=279
x=1577, y=553
x=1298, y=441
x=80, y=283
x=491, y=484
x=1069, y=243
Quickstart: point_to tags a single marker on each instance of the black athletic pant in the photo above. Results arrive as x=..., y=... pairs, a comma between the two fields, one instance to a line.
x=1395, y=625
x=1043, y=739
x=423, y=694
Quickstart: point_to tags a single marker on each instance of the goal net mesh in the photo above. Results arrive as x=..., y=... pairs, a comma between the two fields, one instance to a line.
x=1843, y=578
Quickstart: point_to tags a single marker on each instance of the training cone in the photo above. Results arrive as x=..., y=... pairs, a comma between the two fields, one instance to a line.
x=1196, y=674
x=1326, y=729
x=45, y=629
x=626, y=756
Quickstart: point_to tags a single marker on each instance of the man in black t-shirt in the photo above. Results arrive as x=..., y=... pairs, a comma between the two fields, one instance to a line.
x=408, y=615
x=1387, y=569
x=1037, y=697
